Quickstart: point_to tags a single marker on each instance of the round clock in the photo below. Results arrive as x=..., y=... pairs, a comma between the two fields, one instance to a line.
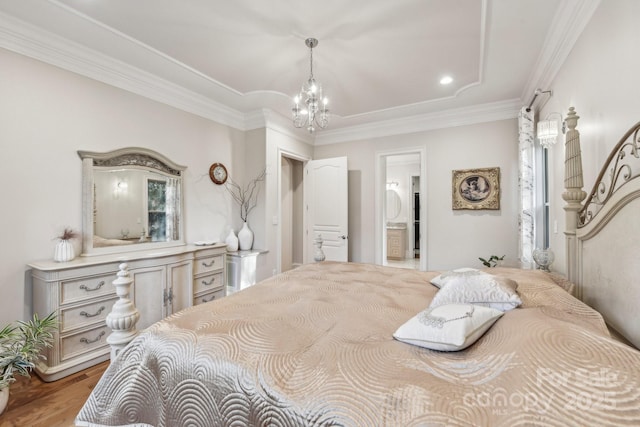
x=218, y=173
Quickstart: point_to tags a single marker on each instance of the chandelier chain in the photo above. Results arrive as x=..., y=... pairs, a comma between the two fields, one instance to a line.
x=311, y=63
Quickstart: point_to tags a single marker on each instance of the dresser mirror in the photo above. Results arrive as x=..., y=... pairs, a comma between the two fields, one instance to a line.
x=131, y=200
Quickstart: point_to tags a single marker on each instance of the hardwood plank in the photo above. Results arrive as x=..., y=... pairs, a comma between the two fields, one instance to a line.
x=33, y=402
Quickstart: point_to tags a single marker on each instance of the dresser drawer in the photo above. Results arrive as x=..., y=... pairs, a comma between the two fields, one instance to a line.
x=207, y=283
x=208, y=297
x=87, y=287
x=84, y=342
x=206, y=265
x=87, y=314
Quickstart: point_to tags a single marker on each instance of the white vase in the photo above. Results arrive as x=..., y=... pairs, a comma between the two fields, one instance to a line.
x=543, y=258
x=231, y=241
x=4, y=398
x=245, y=237
x=64, y=251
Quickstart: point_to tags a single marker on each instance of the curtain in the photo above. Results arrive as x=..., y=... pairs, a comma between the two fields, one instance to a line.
x=173, y=209
x=526, y=223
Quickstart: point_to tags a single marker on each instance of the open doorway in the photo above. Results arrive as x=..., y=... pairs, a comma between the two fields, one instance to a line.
x=400, y=210
x=291, y=213
x=415, y=216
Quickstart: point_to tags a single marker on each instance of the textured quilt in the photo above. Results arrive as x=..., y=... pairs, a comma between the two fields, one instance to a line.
x=314, y=347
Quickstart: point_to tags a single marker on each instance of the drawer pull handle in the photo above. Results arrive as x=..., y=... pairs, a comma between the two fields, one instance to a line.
x=213, y=261
x=101, y=284
x=204, y=299
x=85, y=314
x=210, y=282
x=86, y=341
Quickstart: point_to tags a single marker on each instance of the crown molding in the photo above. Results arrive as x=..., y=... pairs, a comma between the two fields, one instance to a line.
x=490, y=112
x=267, y=118
x=28, y=40
x=568, y=23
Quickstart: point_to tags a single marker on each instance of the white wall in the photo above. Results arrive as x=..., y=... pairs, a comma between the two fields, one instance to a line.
x=454, y=238
x=46, y=115
x=600, y=79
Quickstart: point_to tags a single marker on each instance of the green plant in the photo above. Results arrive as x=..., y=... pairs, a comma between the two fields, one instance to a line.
x=492, y=261
x=20, y=346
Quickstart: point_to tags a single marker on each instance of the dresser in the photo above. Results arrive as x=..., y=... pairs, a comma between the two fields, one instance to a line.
x=81, y=293
x=209, y=276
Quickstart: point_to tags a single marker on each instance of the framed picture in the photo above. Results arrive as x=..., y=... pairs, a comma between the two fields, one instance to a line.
x=476, y=188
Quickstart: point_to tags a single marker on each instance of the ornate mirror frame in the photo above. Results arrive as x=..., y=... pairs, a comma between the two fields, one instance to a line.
x=130, y=158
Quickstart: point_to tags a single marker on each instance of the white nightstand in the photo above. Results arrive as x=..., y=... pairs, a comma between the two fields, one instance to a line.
x=241, y=269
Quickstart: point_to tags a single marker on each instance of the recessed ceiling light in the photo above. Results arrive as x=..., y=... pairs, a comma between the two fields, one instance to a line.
x=446, y=80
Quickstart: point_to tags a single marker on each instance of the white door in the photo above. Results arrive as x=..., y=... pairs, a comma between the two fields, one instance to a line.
x=326, y=201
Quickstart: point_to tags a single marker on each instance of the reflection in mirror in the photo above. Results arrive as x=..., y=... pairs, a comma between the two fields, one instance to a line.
x=131, y=201
x=393, y=204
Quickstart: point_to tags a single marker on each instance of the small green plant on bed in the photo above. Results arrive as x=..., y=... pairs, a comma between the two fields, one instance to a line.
x=492, y=261
x=20, y=346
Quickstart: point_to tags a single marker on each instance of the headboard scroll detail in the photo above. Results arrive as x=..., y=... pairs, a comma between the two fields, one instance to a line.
x=622, y=165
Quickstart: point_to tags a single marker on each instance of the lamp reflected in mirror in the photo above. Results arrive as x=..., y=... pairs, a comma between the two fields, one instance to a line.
x=394, y=204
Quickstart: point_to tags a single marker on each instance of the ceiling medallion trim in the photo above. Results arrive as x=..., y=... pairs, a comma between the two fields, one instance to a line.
x=28, y=40
x=501, y=110
x=23, y=38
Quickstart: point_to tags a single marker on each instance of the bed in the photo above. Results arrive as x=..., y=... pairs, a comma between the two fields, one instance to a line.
x=315, y=347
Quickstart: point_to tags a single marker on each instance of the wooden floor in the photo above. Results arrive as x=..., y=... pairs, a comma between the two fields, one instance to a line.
x=34, y=403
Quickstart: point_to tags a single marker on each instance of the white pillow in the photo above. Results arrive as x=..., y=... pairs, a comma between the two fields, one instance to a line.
x=449, y=327
x=441, y=279
x=486, y=290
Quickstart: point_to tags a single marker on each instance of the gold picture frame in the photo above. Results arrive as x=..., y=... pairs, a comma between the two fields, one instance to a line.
x=476, y=189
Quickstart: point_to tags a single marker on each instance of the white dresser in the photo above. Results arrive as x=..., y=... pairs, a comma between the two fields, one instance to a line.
x=82, y=295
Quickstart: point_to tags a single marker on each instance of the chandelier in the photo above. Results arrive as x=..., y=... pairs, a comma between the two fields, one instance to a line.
x=310, y=107
x=547, y=130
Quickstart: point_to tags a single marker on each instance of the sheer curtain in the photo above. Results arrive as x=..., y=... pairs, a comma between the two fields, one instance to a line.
x=173, y=209
x=526, y=184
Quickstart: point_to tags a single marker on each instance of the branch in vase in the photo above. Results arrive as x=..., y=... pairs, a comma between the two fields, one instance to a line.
x=246, y=197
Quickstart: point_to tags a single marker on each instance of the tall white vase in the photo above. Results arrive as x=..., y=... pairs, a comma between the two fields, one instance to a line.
x=245, y=237
x=232, y=242
x=64, y=251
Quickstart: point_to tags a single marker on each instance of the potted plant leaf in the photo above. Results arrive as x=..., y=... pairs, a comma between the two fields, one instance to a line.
x=493, y=260
x=20, y=347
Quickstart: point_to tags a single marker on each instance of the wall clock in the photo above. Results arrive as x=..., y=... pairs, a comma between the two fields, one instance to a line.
x=218, y=173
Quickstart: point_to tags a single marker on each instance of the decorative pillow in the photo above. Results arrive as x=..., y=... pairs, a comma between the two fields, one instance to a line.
x=441, y=279
x=485, y=290
x=449, y=327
